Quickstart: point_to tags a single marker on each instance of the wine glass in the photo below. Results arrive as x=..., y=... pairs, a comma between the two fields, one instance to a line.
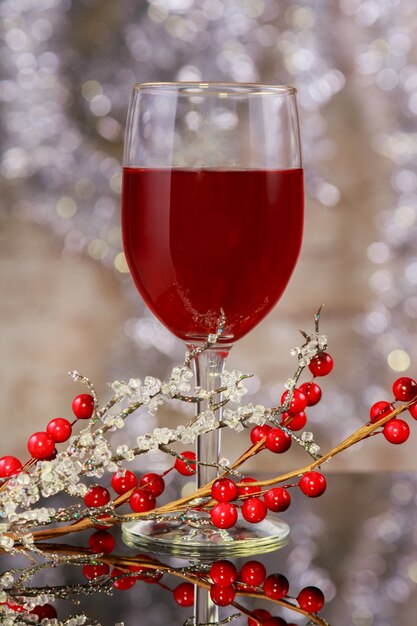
x=212, y=215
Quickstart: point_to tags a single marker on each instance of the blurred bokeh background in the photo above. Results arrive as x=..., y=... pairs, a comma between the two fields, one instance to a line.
x=67, y=300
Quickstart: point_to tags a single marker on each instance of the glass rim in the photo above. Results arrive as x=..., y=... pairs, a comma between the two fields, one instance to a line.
x=216, y=88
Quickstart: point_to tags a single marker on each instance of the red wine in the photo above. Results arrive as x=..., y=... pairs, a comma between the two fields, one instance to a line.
x=199, y=241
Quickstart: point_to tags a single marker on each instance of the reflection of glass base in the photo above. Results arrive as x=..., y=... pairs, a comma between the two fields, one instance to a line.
x=188, y=540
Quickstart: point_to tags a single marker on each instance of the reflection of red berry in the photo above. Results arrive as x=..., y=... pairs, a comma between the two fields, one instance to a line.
x=294, y=422
x=247, y=490
x=259, y=432
x=254, y=510
x=222, y=596
x=223, y=515
x=313, y=484
x=404, y=389
x=261, y=614
x=184, y=594
x=223, y=573
x=101, y=542
x=125, y=583
x=182, y=467
x=83, y=406
x=321, y=365
x=41, y=445
x=96, y=496
x=9, y=465
x=396, y=431
x=278, y=441
x=122, y=482
x=277, y=499
x=276, y=586
x=44, y=611
x=224, y=490
x=298, y=401
x=142, y=500
x=312, y=392
x=94, y=571
x=311, y=599
x=379, y=410
x=253, y=574
x=153, y=482
x=59, y=429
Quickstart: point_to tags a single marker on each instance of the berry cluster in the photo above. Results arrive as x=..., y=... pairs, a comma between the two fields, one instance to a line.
x=396, y=430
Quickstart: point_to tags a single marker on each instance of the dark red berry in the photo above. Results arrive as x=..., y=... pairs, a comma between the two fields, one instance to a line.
x=253, y=574
x=321, y=364
x=396, y=431
x=96, y=496
x=247, y=490
x=223, y=515
x=83, y=406
x=92, y=571
x=153, y=482
x=59, y=429
x=101, y=542
x=276, y=586
x=41, y=445
x=224, y=490
x=123, y=481
x=298, y=401
x=125, y=583
x=261, y=614
x=404, y=389
x=182, y=467
x=44, y=611
x=278, y=441
x=142, y=500
x=311, y=599
x=259, y=432
x=312, y=392
x=222, y=596
x=254, y=510
x=294, y=422
x=184, y=594
x=277, y=499
x=275, y=621
x=413, y=410
x=9, y=465
x=313, y=484
x=379, y=410
x=223, y=573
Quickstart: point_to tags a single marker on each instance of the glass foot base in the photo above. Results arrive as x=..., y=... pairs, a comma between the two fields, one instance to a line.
x=192, y=540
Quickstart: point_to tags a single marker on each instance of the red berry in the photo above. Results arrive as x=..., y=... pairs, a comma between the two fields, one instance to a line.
x=125, y=583
x=311, y=599
x=298, y=401
x=247, y=490
x=396, y=431
x=223, y=515
x=259, y=432
x=182, y=467
x=413, y=410
x=312, y=392
x=83, y=406
x=59, y=429
x=45, y=611
x=275, y=621
x=404, y=389
x=96, y=496
x=153, y=482
x=142, y=500
x=321, y=364
x=277, y=499
x=223, y=573
x=313, y=484
x=254, y=510
x=41, y=445
x=278, y=441
x=222, y=596
x=276, y=586
x=9, y=465
x=253, y=574
x=261, y=614
x=379, y=410
x=184, y=594
x=295, y=422
x=102, y=542
x=95, y=570
x=224, y=490
x=123, y=481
